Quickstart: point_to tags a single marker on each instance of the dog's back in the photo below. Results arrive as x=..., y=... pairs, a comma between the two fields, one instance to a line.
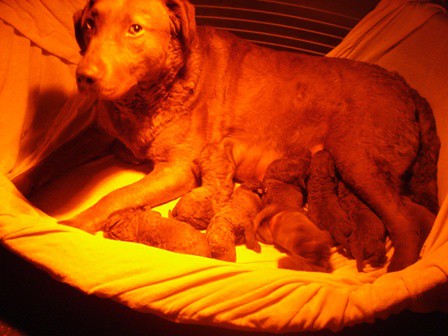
x=277, y=103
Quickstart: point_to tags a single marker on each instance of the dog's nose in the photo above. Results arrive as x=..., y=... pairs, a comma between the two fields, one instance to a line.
x=87, y=75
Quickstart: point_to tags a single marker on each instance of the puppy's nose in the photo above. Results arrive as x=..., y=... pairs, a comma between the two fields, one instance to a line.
x=87, y=75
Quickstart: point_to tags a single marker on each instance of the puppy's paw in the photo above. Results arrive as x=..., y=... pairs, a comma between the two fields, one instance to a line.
x=222, y=247
x=250, y=239
x=221, y=239
x=341, y=232
x=368, y=241
x=368, y=251
x=195, y=208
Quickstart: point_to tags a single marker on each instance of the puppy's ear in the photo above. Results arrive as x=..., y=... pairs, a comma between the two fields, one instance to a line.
x=182, y=16
x=79, y=35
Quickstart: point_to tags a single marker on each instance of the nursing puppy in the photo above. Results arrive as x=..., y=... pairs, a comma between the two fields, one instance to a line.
x=333, y=207
x=283, y=221
x=166, y=88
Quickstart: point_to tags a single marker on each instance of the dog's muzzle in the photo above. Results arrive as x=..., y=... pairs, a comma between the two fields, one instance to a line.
x=87, y=76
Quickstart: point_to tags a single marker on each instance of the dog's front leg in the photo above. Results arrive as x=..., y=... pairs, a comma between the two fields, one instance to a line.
x=166, y=182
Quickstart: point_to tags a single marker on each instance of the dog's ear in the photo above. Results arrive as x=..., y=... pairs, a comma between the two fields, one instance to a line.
x=79, y=34
x=182, y=16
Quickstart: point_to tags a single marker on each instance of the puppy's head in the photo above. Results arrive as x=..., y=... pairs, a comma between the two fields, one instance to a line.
x=131, y=44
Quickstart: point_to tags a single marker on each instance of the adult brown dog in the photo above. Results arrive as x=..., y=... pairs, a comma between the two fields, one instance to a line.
x=167, y=88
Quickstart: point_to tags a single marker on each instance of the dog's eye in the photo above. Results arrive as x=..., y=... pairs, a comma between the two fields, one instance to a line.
x=89, y=25
x=135, y=29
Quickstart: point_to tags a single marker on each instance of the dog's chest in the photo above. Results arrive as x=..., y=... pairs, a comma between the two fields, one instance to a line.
x=148, y=137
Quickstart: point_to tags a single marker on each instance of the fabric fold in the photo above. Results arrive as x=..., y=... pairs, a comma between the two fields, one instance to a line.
x=44, y=23
x=372, y=39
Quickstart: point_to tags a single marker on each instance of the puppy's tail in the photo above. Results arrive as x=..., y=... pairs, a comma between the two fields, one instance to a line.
x=423, y=174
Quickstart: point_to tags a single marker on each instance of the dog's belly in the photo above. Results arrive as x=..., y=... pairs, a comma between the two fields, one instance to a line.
x=251, y=161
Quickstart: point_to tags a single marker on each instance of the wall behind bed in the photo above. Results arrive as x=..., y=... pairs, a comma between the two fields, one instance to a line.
x=310, y=26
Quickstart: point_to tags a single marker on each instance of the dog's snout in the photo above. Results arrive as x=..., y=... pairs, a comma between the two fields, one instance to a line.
x=87, y=75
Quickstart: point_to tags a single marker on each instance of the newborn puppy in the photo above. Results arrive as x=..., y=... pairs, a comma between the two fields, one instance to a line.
x=307, y=246
x=284, y=223
x=227, y=214
x=216, y=169
x=148, y=227
x=283, y=189
x=334, y=207
x=277, y=197
x=233, y=224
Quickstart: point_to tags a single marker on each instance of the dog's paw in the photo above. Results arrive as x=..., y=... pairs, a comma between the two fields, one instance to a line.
x=406, y=251
x=85, y=222
x=195, y=208
x=79, y=224
x=401, y=260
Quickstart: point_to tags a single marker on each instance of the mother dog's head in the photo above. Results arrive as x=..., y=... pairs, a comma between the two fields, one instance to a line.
x=127, y=44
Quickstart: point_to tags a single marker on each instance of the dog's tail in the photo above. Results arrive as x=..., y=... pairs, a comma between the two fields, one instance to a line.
x=423, y=174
